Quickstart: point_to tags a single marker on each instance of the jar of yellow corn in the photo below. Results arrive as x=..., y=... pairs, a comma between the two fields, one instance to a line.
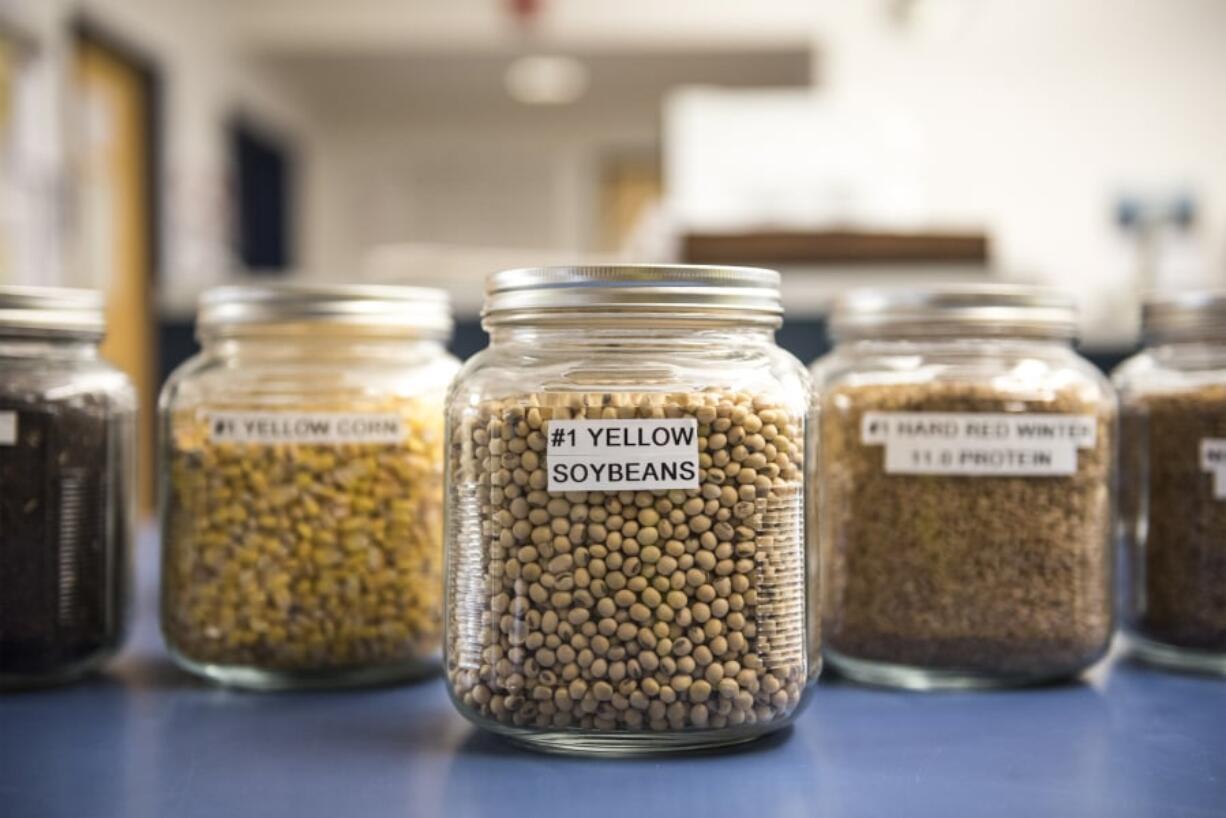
x=302, y=487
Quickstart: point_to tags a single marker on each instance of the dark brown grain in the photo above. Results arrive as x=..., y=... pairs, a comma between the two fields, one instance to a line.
x=1176, y=528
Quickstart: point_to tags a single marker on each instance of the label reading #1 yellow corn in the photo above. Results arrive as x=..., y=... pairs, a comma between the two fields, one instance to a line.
x=269, y=428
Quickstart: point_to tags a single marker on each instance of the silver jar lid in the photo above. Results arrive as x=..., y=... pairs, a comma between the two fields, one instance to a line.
x=948, y=311
x=53, y=311
x=677, y=289
x=423, y=311
x=1188, y=316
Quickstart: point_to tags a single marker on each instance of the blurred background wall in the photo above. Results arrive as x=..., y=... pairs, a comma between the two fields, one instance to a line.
x=155, y=148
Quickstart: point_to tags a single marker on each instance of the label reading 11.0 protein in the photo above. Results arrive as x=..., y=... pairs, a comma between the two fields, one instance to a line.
x=268, y=428
x=1213, y=460
x=979, y=443
x=621, y=455
x=8, y=428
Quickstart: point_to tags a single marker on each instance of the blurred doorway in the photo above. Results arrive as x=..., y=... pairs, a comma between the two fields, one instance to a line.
x=630, y=186
x=116, y=182
x=264, y=180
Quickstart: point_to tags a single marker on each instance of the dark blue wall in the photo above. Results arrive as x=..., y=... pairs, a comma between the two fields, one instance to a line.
x=805, y=338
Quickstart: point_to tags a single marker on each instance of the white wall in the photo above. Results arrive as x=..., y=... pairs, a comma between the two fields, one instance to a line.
x=390, y=180
x=1027, y=118
x=32, y=212
x=1034, y=115
x=390, y=176
x=207, y=78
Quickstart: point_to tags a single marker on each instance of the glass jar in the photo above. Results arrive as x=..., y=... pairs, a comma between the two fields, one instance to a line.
x=626, y=566
x=965, y=476
x=302, y=463
x=67, y=426
x=1173, y=487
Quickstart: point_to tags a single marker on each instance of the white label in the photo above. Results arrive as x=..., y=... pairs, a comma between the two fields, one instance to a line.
x=979, y=443
x=304, y=427
x=620, y=455
x=1213, y=460
x=8, y=428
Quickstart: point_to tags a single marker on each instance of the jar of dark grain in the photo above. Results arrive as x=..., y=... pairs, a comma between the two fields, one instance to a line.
x=302, y=487
x=1173, y=483
x=626, y=536
x=965, y=476
x=66, y=463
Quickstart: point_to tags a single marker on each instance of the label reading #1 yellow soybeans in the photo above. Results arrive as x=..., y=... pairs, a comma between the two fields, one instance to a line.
x=623, y=455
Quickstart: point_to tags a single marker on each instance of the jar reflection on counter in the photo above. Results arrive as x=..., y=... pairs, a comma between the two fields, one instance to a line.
x=67, y=425
x=302, y=512
x=966, y=472
x=1173, y=483
x=626, y=532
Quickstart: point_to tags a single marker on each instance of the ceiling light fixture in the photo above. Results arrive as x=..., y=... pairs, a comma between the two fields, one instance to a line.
x=546, y=80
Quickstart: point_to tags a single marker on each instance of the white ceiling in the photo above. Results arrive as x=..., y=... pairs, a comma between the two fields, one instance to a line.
x=485, y=26
x=439, y=85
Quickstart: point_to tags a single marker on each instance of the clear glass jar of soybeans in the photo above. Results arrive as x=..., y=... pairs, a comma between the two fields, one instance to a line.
x=302, y=501
x=1173, y=483
x=965, y=478
x=626, y=561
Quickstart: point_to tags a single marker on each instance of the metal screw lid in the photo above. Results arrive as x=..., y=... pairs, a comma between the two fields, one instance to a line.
x=1001, y=310
x=52, y=311
x=1192, y=315
x=412, y=311
x=677, y=289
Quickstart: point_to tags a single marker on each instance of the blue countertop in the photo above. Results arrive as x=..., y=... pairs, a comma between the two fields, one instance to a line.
x=148, y=740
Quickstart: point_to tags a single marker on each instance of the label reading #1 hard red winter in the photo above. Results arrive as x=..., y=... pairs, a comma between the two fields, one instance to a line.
x=979, y=444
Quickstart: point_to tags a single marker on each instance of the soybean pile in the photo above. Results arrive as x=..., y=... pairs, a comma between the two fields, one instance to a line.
x=305, y=557
x=991, y=575
x=654, y=610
